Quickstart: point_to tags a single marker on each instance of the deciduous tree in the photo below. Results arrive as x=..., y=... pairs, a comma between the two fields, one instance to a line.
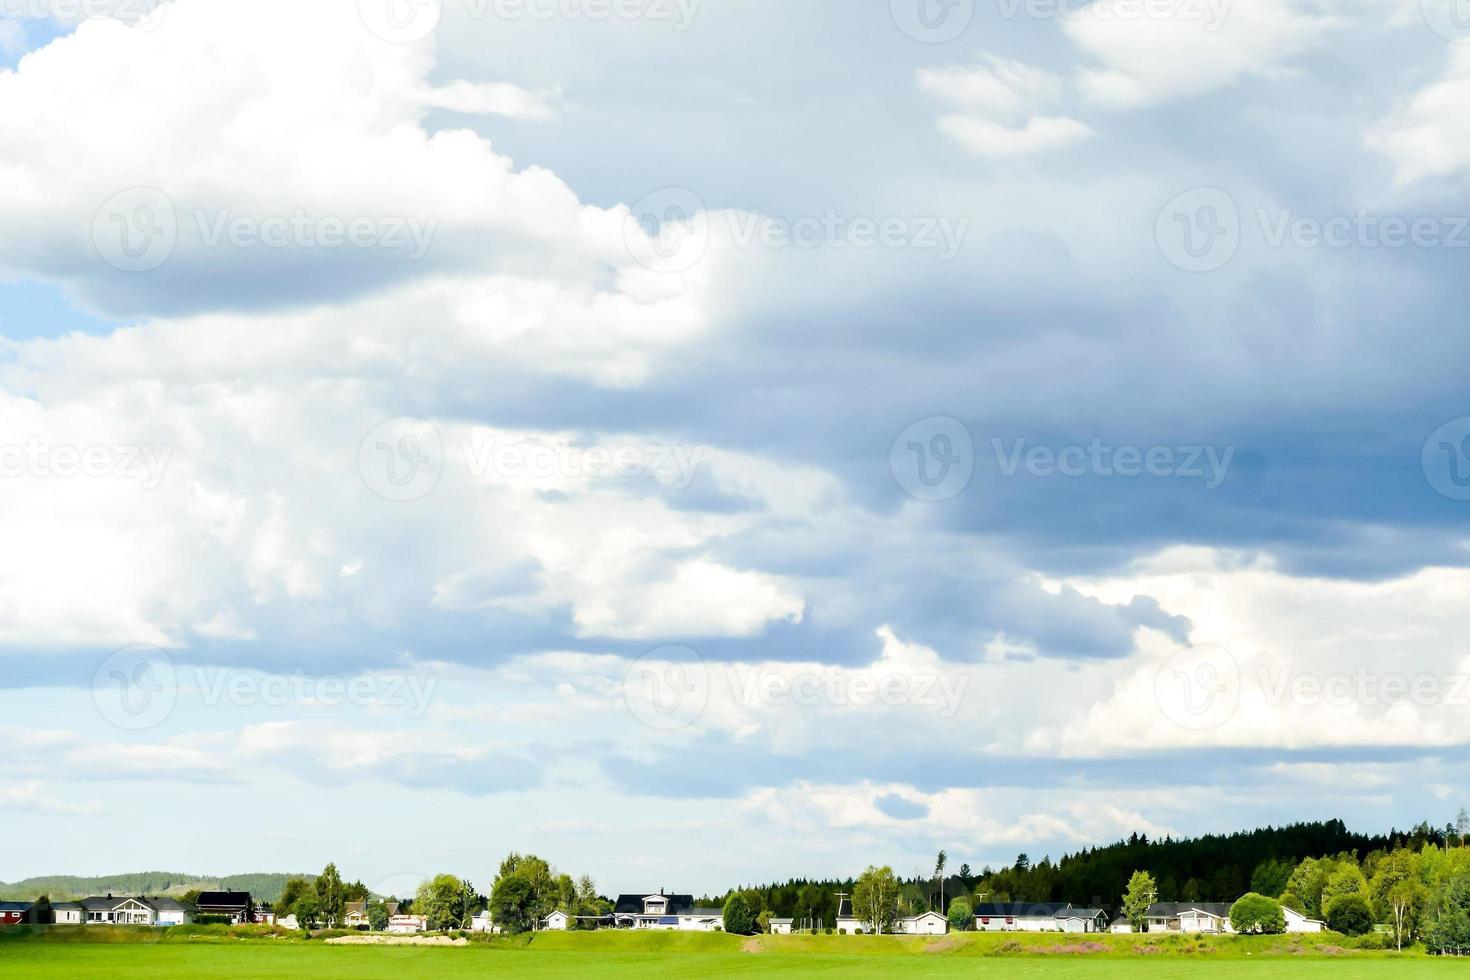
x=1142, y=892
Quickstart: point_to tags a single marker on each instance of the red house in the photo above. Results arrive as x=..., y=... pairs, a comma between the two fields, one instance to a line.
x=13, y=913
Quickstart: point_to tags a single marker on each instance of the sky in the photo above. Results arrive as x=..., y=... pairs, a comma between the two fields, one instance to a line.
x=831, y=431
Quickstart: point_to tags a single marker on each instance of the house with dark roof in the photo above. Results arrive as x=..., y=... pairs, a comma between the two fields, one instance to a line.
x=14, y=913
x=1039, y=917
x=1018, y=916
x=661, y=911
x=235, y=906
x=1189, y=917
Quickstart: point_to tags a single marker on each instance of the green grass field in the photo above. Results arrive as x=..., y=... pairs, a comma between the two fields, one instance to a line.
x=212, y=952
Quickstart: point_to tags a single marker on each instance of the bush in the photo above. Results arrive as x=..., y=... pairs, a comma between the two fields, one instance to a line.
x=1349, y=914
x=961, y=916
x=859, y=932
x=739, y=919
x=1376, y=940
x=828, y=930
x=211, y=920
x=1257, y=913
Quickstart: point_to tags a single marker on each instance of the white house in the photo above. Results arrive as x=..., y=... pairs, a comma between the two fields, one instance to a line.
x=288, y=921
x=929, y=924
x=1296, y=922
x=1018, y=916
x=781, y=927
x=483, y=923
x=1190, y=917
x=407, y=923
x=668, y=912
x=1072, y=919
x=67, y=913
x=140, y=911
x=556, y=920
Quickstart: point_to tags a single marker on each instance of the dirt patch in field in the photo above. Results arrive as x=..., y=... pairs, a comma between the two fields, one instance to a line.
x=1070, y=949
x=397, y=941
x=753, y=945
x=945, y=945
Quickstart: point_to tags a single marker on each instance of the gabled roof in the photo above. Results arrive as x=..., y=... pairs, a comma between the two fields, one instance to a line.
x=844, y=908
x=915, y=918
x=1031, y=910
x=633, y=904
x=106, y=903
x=1172, y=910
x=1071, y=913
x=15, y=906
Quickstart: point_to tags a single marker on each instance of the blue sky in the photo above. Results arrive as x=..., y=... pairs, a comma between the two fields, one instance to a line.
x=843, y=437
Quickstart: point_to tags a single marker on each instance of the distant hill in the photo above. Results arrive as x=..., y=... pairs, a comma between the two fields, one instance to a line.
x=262, y=887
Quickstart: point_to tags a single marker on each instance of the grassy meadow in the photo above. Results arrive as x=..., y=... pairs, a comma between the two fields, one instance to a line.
x=208, y=952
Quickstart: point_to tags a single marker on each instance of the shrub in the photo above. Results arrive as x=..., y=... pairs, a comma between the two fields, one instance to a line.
x=1349, y=915
x=739, y=919
x=859, y=931
x=1257, y=913
x=1376, y=940
x=961, y=916
x=828, y=930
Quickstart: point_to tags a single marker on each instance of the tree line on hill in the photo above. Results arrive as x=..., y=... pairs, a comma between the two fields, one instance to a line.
x=265, y=886
x=1294, y=860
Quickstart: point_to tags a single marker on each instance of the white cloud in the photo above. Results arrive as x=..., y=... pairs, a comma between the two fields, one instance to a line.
x=1429, y=136
x=31, y=797
x=1317, y=662
x=985, y=138
x=290, y=110
x=997, y=86
x=998, y=98
x=495, y=98
x=1188, y=48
